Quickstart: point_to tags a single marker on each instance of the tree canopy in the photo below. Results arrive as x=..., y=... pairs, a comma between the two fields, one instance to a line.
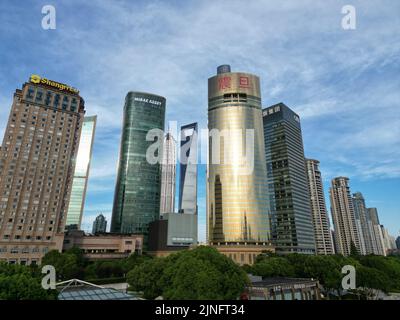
x=22, y=283
x=201, y=273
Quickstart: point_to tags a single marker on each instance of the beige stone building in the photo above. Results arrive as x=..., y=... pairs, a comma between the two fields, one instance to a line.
x=342, y=208
x=36, y=168
x=104, y=246
x=321, y=224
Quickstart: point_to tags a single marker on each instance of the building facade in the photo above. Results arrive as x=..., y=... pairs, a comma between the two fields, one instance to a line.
x=171, y=233
x=362, y=219
x=346, y=232
x=168, y=175
x=99, y=224
x=292, y=225
x=138, y=188
x=237, y=200
x=376, y=232
x=37, y=162
x=104, y=246
x=284, y=289
x=322, y=232
x=81, y=173
x=361, y=222
x=188, y=169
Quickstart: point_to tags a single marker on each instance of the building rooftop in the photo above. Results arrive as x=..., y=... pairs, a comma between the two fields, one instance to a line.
x=81, y=290
x=281, y=281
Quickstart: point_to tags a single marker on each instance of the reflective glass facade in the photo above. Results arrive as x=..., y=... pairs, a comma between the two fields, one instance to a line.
x=137, y=194
x=168, y=175
x=188, y=170
x=287, y=181
x=237, y=196
x=81, y=173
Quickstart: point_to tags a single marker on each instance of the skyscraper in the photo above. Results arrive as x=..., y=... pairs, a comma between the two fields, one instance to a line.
x=322, y=232
x=346, y=233
x=237, y=199
x=81, y=173
x=168, y=175
x=376, y=231
x=387, y=240
x=137, y=193
x=99, y=224
x=188, y=170
x=292, y=225
x=361, y=217
x=36, y=168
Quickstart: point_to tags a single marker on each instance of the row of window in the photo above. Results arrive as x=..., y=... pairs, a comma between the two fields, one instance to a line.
x=52, y=99
x=18, y=237
x=23, y=250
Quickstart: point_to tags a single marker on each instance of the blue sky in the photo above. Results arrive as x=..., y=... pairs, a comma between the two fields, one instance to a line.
x=344, y=84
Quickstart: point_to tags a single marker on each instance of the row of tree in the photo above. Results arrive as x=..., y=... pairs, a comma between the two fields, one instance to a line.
x=72, y=264
x=372, y=272
x=201, y=273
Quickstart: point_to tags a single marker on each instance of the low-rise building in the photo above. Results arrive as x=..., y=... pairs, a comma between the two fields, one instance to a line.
x=283, y=289
x=104, y=245
x=171, y=233
x=244, y=254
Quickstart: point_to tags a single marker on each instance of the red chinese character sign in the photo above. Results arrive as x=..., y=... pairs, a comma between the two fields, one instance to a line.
x=244, y=82
x=224, y=83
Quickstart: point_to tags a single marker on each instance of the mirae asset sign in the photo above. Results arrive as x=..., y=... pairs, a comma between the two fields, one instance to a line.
x=155, y=102
x=38, y=79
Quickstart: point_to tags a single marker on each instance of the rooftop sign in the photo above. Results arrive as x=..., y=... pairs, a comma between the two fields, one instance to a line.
x=39, y=80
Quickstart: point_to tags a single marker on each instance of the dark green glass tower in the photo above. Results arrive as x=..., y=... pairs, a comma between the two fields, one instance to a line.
x=292, y=227
x=137, y=193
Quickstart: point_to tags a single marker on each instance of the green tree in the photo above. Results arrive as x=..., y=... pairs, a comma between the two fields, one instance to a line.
x=273, y=267
x=22, y=283
x=145, y=277
x=201, y=273
x=66, y=264
x=371, y=280
x=353, y=250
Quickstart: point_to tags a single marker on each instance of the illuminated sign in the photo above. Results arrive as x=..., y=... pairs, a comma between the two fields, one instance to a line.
x=39, y=80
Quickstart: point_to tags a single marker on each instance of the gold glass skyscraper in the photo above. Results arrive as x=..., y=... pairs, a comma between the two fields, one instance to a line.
x=237, y=197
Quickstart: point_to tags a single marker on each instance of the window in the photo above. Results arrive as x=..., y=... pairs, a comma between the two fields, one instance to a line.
x=30, y=93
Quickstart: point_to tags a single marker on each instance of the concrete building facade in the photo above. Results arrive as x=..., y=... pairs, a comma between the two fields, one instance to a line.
x=37, y=163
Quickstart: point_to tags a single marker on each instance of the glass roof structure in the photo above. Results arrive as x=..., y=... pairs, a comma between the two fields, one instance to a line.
x=80, y=290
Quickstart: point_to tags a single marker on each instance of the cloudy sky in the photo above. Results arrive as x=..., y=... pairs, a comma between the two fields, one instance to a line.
x=344, y=84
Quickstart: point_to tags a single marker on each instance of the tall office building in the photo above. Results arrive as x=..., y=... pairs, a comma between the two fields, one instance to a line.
x=376, y=232
x=346, y=232
x=387, y=240
x=81, y=173
x=168, y=175
x=138, y=187
x=322, y=232
x=363, y=224
x=99, y=224
x=237, y=199
x=188, y=170
x=292, y=226
x=36, y=168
